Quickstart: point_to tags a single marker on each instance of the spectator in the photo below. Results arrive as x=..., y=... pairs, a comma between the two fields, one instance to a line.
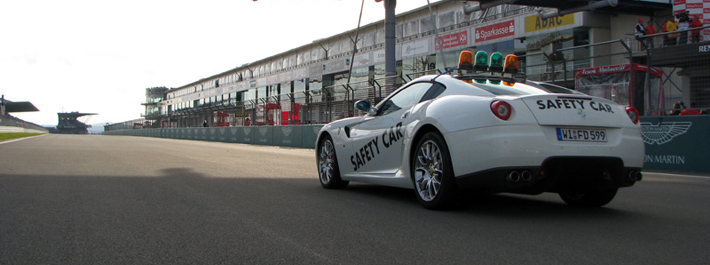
x=691, y=111
x=669, y=26
x=683, y=25
x=204, y=124
x=650, y=30
x=677, y=108
x=639, y=31
x=686, y=112
x=696, y=23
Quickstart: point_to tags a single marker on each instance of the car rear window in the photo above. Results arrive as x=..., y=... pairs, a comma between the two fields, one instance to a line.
x=515, y=89
x=558, y=89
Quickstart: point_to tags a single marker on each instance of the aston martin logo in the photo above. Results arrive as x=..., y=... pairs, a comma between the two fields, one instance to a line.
x=663, y=132
x=286, y=130
x=263, y=130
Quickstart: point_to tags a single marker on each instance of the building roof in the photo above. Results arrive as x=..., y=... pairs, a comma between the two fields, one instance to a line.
x=635, y=7
x=74, y=114
x=21, y=106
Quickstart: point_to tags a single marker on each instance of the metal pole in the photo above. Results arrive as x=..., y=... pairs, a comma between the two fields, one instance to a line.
x=357, y=34
x=632, y=75
x=436, y=34
x=646, y=84
x=390, y=42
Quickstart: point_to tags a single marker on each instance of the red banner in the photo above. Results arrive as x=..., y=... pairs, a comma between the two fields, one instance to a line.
x=453, y=40
x=495, y=31
x=618, y=68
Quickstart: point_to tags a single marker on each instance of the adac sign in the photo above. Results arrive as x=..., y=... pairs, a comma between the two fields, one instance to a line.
x=535, y=23
x=676, y=143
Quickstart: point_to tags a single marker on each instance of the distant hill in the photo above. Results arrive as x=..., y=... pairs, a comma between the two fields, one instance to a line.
x=96, y=128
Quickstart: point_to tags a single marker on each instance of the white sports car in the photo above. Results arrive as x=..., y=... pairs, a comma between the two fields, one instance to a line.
x=441, y=135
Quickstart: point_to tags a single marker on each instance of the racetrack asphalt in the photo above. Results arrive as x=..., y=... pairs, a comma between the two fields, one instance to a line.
x=88, y=199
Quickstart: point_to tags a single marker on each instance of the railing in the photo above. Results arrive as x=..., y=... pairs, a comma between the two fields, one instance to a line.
x=683, y=86
x=325, y=104
x=561, y=65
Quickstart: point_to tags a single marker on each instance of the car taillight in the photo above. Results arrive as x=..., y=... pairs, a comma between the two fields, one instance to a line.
x=501, y=109
x=633, y=114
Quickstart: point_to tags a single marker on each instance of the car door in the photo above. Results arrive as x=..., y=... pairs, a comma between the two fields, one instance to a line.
x=378, y=140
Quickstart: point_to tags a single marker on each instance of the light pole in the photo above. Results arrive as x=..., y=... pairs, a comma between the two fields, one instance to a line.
x=390, y=42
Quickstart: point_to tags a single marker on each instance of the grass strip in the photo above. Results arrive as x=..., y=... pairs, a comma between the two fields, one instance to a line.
x=8, y=136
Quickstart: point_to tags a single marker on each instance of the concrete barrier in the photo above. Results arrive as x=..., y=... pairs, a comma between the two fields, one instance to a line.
x=288, y=136
x=300, y=136
x=676, y=144
x=264, y=135
x=13, y=129
x=248, y=135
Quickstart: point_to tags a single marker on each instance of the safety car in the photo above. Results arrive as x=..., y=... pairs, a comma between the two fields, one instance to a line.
x=460, y=131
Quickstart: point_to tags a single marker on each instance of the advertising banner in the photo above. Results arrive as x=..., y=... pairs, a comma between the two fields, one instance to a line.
x=264, y=135
x=452, y=40
x=676, y=143
x=699, y=8
x=362, y=60
x=379, y=56
x=287, y=136
x=416, y=48
x=495, y=31
x=248, y=135
x=535, y=23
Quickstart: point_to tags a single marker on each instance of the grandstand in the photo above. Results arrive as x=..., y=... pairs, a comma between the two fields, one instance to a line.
x=69, y=123
x=8, y=123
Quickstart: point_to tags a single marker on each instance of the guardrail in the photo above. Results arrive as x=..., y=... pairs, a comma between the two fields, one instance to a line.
x=302, y=136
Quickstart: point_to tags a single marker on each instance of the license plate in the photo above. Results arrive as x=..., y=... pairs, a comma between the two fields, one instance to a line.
x=581, y=135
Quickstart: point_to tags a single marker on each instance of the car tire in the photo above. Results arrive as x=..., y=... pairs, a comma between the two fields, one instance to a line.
x=432, y=173
x=328, y=170
x=594, y=198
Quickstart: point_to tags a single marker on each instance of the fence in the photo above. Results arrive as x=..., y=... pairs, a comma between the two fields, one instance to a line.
x=314, y=106
x=684, y=58
x=651, y=77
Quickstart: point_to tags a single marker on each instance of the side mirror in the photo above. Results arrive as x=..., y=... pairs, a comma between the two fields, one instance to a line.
x=366, y=106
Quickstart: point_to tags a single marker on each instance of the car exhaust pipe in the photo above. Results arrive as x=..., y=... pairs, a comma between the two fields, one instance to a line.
x=526, y=175
x=513, y=176
x=635, y=176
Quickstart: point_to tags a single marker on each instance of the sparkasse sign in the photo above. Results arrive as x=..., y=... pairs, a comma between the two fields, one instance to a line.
x=495, y=31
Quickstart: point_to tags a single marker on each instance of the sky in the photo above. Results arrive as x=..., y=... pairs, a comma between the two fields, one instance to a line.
x=99, y=56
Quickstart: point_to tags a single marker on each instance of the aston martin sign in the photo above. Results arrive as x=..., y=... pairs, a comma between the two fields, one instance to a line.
x=676, y=143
